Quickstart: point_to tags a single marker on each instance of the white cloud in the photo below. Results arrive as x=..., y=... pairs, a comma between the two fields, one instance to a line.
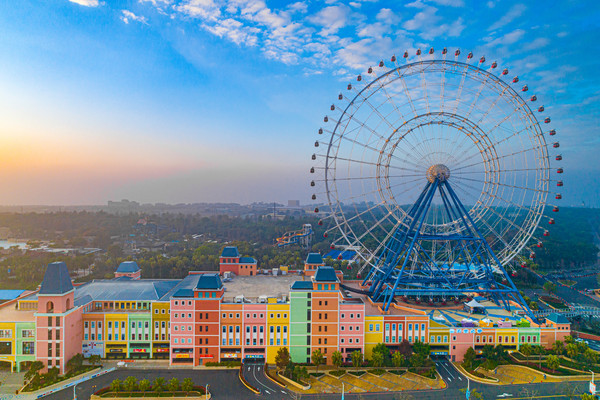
x=235, y=31
x=562, y=34
x=127, y=16
x=205, y=9
x=537, y=44
x=387, y=16
x=156, y=3
x=506, y=39
x=515, y=12
x=331, y=18
x=87, y=3
x=298, y=7
x=450, y=3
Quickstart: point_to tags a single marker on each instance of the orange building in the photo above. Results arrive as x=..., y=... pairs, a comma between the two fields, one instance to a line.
x=325, y=312
x=230, y=261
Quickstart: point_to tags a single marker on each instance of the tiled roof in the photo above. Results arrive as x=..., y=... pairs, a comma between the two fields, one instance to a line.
x=230, y=251
x=247, y=260
x=120, y=290
x=128, y=267
x=56, y=279
x=558, y=318
x=314, y=258
x=302, y=285
x=325, y=274
x=184, y=293
x=209, y=281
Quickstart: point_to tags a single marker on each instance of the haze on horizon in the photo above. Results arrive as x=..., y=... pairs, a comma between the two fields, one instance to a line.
x=186, y=101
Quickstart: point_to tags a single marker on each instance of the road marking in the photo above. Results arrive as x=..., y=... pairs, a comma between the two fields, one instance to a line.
x=284, y=392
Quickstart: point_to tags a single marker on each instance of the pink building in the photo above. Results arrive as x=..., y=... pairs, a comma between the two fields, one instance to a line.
x=255, y=327
x=58, y=319
x=182, y=330
x=351, y=327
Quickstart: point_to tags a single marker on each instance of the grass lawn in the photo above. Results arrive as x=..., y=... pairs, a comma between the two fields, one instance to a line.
x=567, y=282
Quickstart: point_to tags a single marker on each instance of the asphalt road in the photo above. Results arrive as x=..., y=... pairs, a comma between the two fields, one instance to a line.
x=255, y=375
x=225, y=385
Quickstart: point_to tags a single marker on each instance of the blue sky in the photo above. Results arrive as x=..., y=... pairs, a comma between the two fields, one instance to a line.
x=201, y=100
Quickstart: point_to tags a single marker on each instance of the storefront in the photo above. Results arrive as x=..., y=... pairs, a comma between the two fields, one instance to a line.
x=139, y=350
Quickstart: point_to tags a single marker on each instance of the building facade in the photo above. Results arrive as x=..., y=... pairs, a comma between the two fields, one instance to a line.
x=201, y=318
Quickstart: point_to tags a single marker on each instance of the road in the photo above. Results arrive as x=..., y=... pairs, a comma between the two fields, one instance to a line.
x=225, y=385
x=255, y=375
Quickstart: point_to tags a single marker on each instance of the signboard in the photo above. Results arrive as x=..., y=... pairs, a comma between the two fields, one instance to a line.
x=92, y=349
x=205, y=356
x=139, y=350
x=592, y=388
x=161, y=350
x=182, y=355
x=440, y=353
x=255, y=356
x=115, y=350
x=479, y=330
x=230, y=355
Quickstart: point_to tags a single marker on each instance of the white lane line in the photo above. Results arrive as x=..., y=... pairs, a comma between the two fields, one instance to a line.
x=254, y=373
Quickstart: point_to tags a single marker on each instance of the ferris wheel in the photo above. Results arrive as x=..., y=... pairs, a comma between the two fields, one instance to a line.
x=447, y=119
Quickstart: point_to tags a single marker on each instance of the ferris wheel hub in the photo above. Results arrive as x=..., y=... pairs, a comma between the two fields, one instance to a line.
x=438, y=172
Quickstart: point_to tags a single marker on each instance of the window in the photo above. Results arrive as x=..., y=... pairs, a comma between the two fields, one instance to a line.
x=230, y=315
x=85, y=324
x=370, y=327
x=177, y=341
x=278, y=316
x=343, y=316
x=422, y=327
x=357, y=315
x=49, y=334
x=176, y=302
x=377, y=327
x=341, y=328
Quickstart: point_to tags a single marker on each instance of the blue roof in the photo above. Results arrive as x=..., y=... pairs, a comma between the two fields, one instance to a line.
x=184, y=293
x=247, y=260
x=209, y=281
x=314, y=258
x=302, y=285
x=325, y=274
x=230, y=251
x=347, y=255
x=128, y=267
x=558, y=318
x=56, y=279
x=9, y=294
x=83, y=300
x=119, y=290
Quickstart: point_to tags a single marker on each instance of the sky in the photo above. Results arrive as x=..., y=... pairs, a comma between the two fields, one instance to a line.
x=184, y=101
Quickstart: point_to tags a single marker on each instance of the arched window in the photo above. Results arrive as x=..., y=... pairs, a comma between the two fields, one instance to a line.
x=49, y=307
x=68, y=304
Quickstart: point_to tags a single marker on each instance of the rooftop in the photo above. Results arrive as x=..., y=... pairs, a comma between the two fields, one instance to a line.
x=8, y=294
x=247, y=260
x=251, y=287
x=125, y=290
x=558, y=318
x=8, y=313
x=230, y=251
x=325, y=274
x=314, y=258
x=209, y=281
x=56, y=279
x=128, y=267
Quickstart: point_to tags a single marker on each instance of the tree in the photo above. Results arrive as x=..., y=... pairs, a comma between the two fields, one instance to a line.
x=75, y=362
x=337, y=359
x=158, y=385
x=282, y=359
x=405, y=348
x=526, y=349
x=385, y=353
x=550, y=287
x=587, y=396
x=187, y=385
x=144, y=385
x=469, y=358
x=422, y=348
x=569, y=339
x=417, y=360
x=558, y=347
x=533, y=305
x=397, y=359
x=130, y=383
x=572, y=350
x=553, y=362
x=34, y=368
x=317, y=358
x=377, y=359
x=94, y=359
x=357, y=358
x=300, y=373
x=115, y=385
x=174, y=385
x=475, y=395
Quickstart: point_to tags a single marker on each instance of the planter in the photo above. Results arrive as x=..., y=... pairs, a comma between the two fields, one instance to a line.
x=292, y=382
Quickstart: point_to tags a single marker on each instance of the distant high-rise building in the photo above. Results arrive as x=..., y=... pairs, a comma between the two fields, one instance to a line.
x=293, y=203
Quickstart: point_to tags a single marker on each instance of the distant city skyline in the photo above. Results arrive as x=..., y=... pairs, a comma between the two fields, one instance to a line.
x=190, y=101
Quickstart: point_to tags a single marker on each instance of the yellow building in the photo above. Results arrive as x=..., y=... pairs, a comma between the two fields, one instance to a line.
x=160, y=329
x=373, y=333
x=439, y=338
x=115, y=332
x=278, y=320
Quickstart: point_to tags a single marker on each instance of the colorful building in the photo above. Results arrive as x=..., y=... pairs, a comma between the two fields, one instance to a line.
x=231, y=261
x=202, y=318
